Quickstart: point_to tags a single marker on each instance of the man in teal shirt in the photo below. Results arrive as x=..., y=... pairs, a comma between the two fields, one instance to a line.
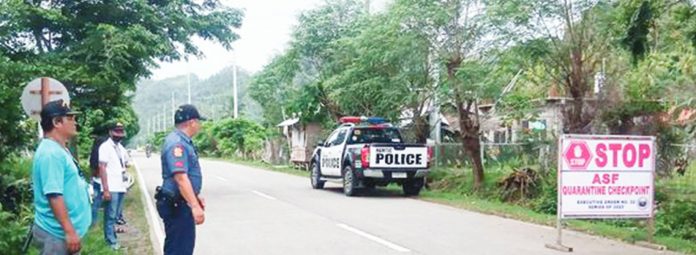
x=62, y=213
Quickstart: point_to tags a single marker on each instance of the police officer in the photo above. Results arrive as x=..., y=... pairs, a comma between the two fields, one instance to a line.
x=178, y=201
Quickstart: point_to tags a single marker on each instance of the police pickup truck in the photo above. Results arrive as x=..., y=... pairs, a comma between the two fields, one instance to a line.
x=366, y=152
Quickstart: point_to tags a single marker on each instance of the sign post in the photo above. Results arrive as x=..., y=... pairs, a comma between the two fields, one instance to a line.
x=39, y=92
x=604, y=177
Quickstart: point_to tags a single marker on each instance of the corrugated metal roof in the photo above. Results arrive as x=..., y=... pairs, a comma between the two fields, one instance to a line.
x=289, y=122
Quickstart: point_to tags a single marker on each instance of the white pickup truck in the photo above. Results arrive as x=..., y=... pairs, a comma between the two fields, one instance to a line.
x=367, y=152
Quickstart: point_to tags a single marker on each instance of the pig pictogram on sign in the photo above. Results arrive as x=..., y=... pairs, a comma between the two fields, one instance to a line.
x=577, y=155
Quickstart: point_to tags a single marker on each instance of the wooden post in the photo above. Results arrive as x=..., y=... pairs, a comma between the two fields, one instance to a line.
x=650, y=242
x=651, y=229
x=45, y=91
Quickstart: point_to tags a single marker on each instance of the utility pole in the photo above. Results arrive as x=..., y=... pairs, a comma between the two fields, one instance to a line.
x=164, y=116
x=188, y=78
x=234, y=88
x=149, y=128
x=435, y=118
x=367, y=7
x=173, y=108
x=216, y=110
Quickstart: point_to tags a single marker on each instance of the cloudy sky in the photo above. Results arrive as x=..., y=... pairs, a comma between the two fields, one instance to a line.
x=265, y=32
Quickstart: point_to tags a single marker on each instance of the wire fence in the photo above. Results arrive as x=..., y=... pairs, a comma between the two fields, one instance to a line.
x=497, y=155
x=681, y=181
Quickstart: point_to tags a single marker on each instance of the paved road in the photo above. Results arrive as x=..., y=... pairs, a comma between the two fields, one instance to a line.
x=253, y=211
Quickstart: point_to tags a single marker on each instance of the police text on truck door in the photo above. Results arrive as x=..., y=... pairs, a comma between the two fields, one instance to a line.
x=332, y=153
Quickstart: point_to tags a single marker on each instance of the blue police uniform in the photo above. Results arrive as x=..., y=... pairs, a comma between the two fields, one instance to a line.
x=178, y=156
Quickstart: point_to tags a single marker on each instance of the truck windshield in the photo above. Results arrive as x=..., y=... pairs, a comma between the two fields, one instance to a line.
x=374, y=135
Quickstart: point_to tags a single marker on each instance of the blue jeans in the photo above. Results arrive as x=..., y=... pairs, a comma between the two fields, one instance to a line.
x=179, y=228
x=119, y=215
x=111, y=215
x=96, y=201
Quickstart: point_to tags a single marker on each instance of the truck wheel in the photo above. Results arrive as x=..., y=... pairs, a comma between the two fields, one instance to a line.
x=413, y=187
x=315, y=177
x=349, y=182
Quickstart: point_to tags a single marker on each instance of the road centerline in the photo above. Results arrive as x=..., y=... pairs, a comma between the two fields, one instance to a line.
x=220, y=178
x=261, y=194
x=374, y=238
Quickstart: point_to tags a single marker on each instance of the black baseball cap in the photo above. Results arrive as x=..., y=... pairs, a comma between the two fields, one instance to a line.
x=57, y=108
x=187, y=112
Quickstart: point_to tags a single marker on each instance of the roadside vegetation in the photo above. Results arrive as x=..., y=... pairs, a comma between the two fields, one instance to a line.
x=675, y=226
x=98, y=50
x=620, y=67
x=17, y=215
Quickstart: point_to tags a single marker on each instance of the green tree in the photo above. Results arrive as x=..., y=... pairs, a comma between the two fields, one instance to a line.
x=273, y=85
x=457, y=31
x=578, y=34
x=99, y=49
x=297, y=82
x=15, y=130
x=636, y=39
x=388, y=70
x=157, y=140
x=657, y=35
x=521, y=102
x=231, y=137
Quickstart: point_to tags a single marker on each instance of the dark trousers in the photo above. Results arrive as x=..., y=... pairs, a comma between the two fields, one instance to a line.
x=179, y=228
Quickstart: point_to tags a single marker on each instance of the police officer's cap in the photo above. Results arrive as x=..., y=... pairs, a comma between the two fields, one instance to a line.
x=57, y=108
x=187, y=112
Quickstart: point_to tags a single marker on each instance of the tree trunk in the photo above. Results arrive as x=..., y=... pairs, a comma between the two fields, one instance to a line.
x=421, y=129
x=469, y=126
x=331, y=106
x=472, y=147
x=470, y=142
x=577, y=85
x=624, y=126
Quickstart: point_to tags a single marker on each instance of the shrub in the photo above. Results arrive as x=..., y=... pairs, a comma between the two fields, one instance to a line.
x=231, y=138
x=546, y=202
x=15, y=186
x=14, y=229
x=15, y=204
x=519, y=185
x=205, y=142
x=157, y=140
x=677, y=218
x=450, y=180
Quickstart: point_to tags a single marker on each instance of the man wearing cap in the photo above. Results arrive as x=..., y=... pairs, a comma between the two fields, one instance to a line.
x=61, y=200
x=178, y=201
x=112, y=167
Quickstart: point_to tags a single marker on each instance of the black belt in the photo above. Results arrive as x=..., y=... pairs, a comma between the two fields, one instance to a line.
x=168, y=197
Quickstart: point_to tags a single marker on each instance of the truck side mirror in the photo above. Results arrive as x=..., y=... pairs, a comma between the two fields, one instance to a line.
x=320, y=143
